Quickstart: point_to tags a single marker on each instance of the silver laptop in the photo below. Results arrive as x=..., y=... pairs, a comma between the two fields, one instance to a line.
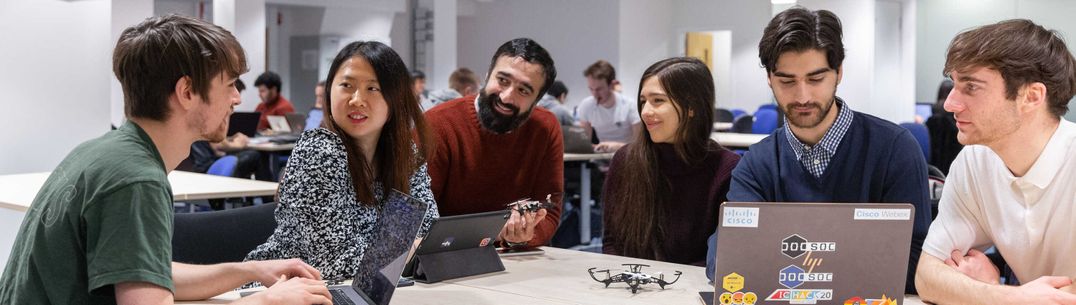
x=378, y=273
x=812, y=253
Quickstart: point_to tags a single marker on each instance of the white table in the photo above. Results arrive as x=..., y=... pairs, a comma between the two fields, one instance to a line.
x=557, y=277
x=585, y=201
x=17, y=191
x=722, y=126
x=737, y=140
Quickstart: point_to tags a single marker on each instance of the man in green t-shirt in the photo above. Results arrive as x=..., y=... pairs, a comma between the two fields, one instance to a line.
x=100, y=229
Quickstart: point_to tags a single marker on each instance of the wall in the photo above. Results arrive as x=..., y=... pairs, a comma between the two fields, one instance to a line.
x=940, y=21
x=57, y=65
x=745, y=19
x=576, y=34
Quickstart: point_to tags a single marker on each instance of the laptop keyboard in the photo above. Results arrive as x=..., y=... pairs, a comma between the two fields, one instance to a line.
x=340, y=298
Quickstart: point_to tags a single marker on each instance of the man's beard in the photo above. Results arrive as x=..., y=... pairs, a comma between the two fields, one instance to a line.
x=809, y=121
x=495, y=121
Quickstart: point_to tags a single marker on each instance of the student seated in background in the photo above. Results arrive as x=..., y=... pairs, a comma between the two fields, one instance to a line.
x=273, y=103
x=663, y=191
x=826, y=152
x=553, y=100
x=314, y=117
x=248, y=161
x=1012, y=186
x=338, y=175
x=498, y=147
x=609, y=114
x=100, y=229
x=461, y=82
x=942, y=126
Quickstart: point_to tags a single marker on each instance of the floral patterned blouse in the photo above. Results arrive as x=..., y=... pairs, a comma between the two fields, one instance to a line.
x=318, y=218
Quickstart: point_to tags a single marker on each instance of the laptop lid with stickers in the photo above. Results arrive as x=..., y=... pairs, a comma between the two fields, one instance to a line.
x=812, y=253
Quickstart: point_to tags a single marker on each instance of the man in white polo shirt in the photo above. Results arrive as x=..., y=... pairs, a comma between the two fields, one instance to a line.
x=613, y=118
x=1013, y=187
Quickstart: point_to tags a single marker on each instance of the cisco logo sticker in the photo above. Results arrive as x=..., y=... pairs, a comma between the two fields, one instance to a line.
x=740, y=217
x=795, y=245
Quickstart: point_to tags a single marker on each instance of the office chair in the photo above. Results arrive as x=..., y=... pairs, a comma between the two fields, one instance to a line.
x=221, y=236
x=743, y=124
x=765, y=121
x=722, y=115
x=225, y=166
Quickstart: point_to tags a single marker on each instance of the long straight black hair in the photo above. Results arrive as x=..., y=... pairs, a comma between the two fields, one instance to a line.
x=641, y=188
x=395, y=157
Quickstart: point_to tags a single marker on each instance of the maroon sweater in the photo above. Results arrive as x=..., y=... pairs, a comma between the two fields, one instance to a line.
x=692, y=213
x=474, y=170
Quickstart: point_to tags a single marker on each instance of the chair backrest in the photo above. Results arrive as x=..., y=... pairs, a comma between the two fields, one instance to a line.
x=935, y=185
x=225, y=166
x=765, y=121
x=922, y=135
x=221, y=236
x=723, y=115
x=765, y=107
x=737, y=113
x=743, y=123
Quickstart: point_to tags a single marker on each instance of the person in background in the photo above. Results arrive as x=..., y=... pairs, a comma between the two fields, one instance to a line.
x=338, y=174
x=314, y=117
x=273, y=103
x=664, y=190
x=462, y=82
x=609, y=114
x=553, y=100
x=100, y=229
x=418, y=86
x=942, y=126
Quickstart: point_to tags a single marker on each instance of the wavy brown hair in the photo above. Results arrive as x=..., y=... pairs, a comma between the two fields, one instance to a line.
x=396, y=159
x=641, y=188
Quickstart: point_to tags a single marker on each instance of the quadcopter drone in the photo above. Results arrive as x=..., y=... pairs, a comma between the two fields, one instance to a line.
x=527, y=205
x=633, y=277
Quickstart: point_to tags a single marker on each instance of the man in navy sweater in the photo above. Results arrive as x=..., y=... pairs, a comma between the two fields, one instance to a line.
x=826, y=152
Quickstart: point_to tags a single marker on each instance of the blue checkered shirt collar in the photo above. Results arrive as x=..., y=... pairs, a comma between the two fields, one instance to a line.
x=817, y=158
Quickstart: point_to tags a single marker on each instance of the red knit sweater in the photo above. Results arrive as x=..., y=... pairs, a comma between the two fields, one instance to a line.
x=474, y=170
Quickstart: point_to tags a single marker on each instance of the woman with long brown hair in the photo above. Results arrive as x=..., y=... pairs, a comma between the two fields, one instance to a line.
x=663, y=190
x=338, y=174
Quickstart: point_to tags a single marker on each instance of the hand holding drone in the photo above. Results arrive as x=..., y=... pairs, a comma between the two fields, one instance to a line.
x=526, y=205
x=633, y=277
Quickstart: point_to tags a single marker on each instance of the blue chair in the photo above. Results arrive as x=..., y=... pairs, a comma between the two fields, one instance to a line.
x=766, y=107
x=225, y=166
x=921, y=134
x=765, y=121
x=737, y=113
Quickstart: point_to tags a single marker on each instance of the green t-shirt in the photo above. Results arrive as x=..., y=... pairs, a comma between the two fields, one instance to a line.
x=104, y=216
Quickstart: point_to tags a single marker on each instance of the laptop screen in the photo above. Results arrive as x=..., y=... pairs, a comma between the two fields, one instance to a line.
x=384, y=260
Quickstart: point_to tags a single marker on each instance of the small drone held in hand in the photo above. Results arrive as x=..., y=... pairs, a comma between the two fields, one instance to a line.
x=527, y=205
x=633, y=277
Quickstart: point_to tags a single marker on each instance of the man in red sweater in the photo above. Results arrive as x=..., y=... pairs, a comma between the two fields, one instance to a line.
x=272, y=102
x=496, y=148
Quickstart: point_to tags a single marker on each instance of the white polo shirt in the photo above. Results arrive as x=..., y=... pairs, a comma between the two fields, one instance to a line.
x=1030, y=219
x=611, y=124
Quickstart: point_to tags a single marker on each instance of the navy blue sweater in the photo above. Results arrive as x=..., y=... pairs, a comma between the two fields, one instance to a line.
x=877, y=161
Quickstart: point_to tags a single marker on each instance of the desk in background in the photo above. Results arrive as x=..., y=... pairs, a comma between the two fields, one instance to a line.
x=585, y=201
x=17, y=191
x=737, y=140
x=557, y=277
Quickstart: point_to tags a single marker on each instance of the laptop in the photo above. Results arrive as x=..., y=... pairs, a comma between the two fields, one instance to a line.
x=296, y=121
x=244, y=122
x=812, y=253
x=576, y=140
x=379, y=270
x=451, y=233
x=279, y=124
